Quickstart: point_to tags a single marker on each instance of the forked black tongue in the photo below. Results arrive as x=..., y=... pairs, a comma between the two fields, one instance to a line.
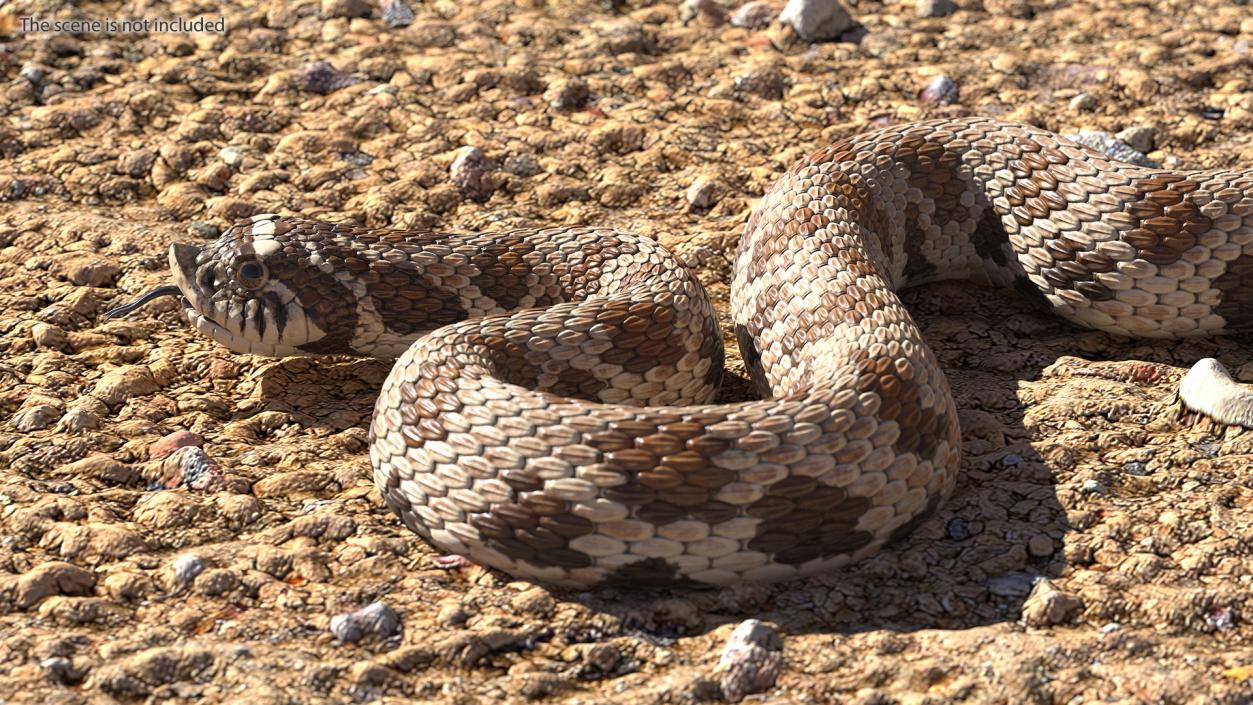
x=124, y=309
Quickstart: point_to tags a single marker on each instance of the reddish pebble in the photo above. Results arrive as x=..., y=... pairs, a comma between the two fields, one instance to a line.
x=172, y=442
x=452, y=562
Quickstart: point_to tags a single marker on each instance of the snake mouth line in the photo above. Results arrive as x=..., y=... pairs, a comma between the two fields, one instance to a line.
x=207, y=326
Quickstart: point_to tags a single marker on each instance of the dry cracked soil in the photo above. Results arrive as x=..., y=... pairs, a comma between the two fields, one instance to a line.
x=1097, y=548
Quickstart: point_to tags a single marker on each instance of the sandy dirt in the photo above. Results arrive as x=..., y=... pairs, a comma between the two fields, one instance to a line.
x=123, y=580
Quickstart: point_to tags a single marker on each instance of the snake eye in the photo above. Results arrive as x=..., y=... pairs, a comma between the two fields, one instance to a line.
x=251, y=274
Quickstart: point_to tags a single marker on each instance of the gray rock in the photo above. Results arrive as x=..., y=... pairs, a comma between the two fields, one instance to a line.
x=1141, y=139
x=754, y=14
x=32, y=73
x=567, y=94
x=523, y=165
x=376, y=619
x=184, y=569
x=397, y=14
x=701, y=194
x=200, y=228
x=936, y=8
x=62, y=671
x=469, y=172
x=942, y=90
x=1112, y=147
x=751, y=660
x=231, y=156
x=1084, y=102
x=1047, y=606
x=1011, y=584
x=322, y=77
x=816, y=20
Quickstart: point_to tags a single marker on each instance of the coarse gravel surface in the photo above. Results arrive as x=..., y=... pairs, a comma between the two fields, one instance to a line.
x=1097, y=548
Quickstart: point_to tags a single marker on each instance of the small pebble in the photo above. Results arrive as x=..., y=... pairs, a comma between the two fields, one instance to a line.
x=205, y=230
x=47, y=335
x=190, y=467
x=346, y=8
x=702, y=193
x=935, y=8
x=751, y=660
x=61, y=670
x=958, y=529
x=754, y=15
x=32, y=73
x=603, y=659
x=567, y=94
x=172, y=442
x=1011, y=584
x=186, y=568
x=764, y=82
x=942, y=90
x=76, y=420
x=231, y=156
x=534, y=601
x=522, y=165
x=322, y=78
x=452, y=615
x=1142, y=139
x=816, y=20
x=1245, y=372
x=1138, y=468
x=708, y=10
x=1040, y=546
x=1092, y=487
x=469, y=173
x=86, y=269
x=1047, y=606
x=1084, y=103
x=1220, y=617
x=375, y=619
x=1011, y=460
x=217, y=581
x=397, y=14
x=35, y=418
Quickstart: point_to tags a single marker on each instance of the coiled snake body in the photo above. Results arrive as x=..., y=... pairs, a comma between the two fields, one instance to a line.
x=552, y=418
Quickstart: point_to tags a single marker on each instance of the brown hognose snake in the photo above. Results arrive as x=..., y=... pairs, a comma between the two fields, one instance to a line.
x=552, y=418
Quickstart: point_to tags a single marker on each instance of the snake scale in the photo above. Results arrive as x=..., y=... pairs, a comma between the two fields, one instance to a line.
x=549, y=411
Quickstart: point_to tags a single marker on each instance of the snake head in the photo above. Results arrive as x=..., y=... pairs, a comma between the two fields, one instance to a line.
x=258, y=290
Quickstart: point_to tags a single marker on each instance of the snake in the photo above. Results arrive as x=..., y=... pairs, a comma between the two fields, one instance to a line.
x=551, y=410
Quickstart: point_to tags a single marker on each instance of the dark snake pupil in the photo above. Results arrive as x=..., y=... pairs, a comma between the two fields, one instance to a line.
x=250, y=271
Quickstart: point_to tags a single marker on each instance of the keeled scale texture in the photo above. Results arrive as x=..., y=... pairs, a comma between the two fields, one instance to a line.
x=483, y=444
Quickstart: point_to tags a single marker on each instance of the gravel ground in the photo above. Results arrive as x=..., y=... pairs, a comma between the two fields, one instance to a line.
x=180, y=524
